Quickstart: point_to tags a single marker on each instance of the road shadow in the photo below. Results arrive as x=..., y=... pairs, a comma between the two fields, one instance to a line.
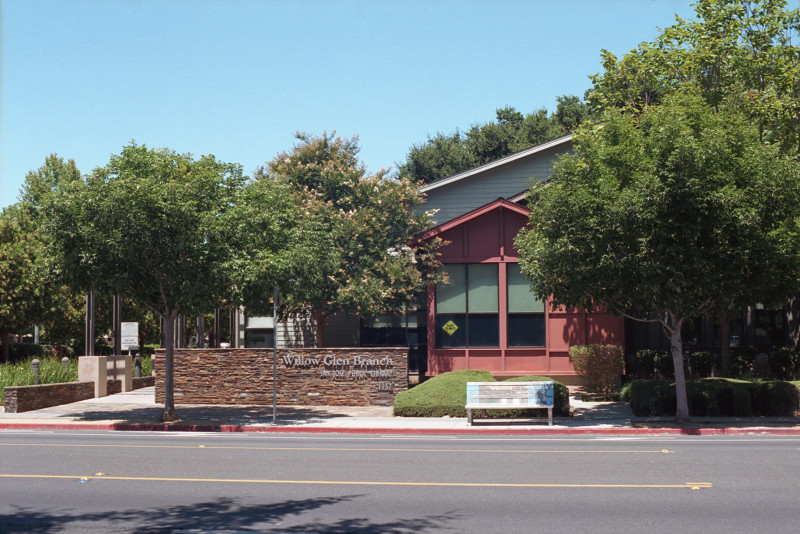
x=213, y=415
x=223, y=514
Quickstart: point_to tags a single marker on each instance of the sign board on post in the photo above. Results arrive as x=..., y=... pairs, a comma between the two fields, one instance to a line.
x=130, y=336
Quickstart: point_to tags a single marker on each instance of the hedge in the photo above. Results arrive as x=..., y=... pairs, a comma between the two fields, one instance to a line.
x=716, y=397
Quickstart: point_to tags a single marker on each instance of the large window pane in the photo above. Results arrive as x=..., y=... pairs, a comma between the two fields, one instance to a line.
x=451, y=330
x=482, y=283
x=452, y=297
x=520, y=298
x=484, y=330
x=526, y=330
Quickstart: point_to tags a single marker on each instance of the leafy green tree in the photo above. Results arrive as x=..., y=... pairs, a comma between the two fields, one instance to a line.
x=148, y=226
x=62, y=310
x=352, y=237
x=665, y=216
x=20, y=290
x=439, y=157
x=746, y=50
x=445, y=155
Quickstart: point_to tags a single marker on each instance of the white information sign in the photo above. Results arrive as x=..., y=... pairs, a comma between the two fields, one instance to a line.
x=130, y=336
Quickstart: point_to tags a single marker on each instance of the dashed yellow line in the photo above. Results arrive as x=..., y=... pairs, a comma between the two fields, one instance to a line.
x=687, y=485
x=338, y=449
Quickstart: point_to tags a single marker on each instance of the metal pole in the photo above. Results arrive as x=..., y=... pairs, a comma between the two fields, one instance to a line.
x=275, y=356
x=116, y=317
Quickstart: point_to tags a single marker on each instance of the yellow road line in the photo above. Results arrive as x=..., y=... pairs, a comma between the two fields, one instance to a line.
x=687, y=485
x=335, y=449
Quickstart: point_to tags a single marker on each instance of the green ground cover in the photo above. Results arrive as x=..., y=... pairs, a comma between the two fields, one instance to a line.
x=51, y=371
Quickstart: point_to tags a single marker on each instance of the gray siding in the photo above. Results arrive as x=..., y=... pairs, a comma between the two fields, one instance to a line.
x=300, y=331
x=462, y=196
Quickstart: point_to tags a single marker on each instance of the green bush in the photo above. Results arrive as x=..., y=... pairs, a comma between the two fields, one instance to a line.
x=601, y=367
x=700, y=364
x=442, y=395
x=716, y=397
x=784, y=363
x=446, y=395
x=651, y=364
x=743, y=362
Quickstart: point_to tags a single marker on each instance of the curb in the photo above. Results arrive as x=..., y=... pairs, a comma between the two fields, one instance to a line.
x=162, y=427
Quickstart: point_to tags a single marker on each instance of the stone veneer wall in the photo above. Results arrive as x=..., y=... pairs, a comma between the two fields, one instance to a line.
x=310, y=377
x=26, y=398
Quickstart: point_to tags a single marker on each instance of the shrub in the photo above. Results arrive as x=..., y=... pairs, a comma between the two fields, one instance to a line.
x=446, y=395
x=442, y=395
x=652, y=364
x=700, y=364
x=601, y=366
x=743, y=362
x=784, y=363
x=716, y=397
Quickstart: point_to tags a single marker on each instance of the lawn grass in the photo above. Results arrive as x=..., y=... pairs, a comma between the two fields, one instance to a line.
x=446, y=395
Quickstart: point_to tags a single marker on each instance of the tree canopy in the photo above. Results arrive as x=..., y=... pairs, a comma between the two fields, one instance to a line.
x=350, y=250
x=664, y=216
x=147, y=226
x=446, y=154
x=745, y=51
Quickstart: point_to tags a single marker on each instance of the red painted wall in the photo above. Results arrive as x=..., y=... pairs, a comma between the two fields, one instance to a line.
x=488, y=237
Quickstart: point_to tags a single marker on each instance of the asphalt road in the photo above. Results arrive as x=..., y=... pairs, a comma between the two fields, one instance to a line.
x=189, y=482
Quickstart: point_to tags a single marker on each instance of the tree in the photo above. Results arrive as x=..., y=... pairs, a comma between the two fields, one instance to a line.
x=351, y=252
x=148, y=226
x=62, y=310
x=21, y=293
x=744, y=50
x=441, y=156
x=735, y=51
x=445, y=155
x=665, y=216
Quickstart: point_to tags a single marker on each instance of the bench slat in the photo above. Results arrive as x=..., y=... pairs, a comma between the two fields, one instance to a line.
x=504, y=395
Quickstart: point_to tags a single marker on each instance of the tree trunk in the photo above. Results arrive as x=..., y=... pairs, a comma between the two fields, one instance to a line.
x=793, y=320
x=169, y=413
x=672, y=326
x=725, y=342
x=4, y=340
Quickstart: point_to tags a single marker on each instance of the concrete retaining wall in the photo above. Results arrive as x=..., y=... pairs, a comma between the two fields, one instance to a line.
x=310, y=377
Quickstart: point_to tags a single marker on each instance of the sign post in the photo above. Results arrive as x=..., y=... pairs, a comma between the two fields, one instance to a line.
x=275, y=357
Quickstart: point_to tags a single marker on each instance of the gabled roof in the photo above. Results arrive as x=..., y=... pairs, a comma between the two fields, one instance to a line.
x=497, y=163
x=474, y=214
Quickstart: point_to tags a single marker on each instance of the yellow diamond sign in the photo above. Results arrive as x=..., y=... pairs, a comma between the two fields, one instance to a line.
x=450, y=328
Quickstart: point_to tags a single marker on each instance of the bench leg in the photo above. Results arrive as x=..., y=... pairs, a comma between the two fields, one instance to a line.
x=550, y=416
x=469, y=417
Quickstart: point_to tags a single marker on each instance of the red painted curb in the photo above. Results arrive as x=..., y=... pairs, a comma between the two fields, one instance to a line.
x=161, y=427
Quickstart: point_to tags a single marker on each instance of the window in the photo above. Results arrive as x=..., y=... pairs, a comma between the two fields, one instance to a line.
x=467, y=308
x=525, y=312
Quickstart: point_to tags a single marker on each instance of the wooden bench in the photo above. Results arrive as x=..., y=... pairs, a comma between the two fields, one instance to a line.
x=510, y=395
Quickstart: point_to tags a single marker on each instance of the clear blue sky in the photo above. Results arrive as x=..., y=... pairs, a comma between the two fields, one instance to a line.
x=237, y=78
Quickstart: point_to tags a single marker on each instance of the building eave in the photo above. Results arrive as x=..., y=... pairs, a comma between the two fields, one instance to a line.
x=497, y=163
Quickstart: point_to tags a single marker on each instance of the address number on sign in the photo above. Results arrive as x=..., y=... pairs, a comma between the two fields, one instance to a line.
x=385, y=386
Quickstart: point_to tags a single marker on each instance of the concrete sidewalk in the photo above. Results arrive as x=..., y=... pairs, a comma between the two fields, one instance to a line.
x=137, y=410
